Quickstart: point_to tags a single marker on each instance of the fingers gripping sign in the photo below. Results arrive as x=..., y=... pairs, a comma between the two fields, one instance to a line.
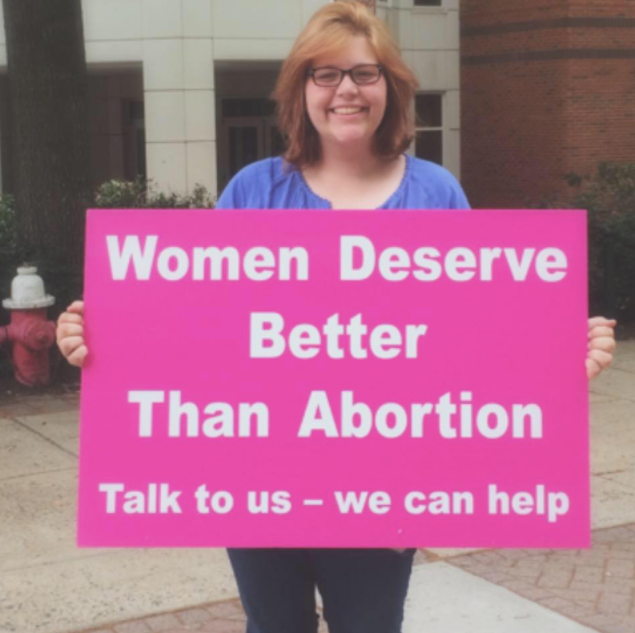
x=70, y=334
x=601, y=345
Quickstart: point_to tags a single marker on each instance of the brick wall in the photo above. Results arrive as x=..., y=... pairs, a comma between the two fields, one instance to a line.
x=547, y=89
x=487, y=12
x=494, y=12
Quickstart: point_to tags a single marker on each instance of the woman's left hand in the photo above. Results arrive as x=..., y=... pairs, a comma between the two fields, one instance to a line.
x=601, y=345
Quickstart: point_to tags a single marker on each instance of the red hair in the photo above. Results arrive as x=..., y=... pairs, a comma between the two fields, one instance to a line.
x=327, y=32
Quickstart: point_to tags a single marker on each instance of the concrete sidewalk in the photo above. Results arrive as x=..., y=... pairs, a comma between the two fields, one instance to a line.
x=47, y=585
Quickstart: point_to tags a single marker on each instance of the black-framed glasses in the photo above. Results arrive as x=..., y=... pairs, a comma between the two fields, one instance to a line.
x=362, y=75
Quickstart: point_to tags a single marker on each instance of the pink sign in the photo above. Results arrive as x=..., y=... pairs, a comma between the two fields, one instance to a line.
x=335, y=379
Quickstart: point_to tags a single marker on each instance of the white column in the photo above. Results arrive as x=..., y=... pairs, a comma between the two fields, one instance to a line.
x=178, y=83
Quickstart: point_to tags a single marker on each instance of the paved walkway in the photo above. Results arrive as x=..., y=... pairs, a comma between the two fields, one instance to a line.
x=47, y=585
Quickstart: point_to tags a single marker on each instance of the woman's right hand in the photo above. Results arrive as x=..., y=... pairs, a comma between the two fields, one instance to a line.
x=70, y=334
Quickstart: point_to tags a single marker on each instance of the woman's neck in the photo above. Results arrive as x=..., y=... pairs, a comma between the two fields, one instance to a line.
x=349, y=163
x=354, y=180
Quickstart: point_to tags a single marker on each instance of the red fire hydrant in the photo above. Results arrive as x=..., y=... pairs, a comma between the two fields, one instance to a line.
x=29, y=333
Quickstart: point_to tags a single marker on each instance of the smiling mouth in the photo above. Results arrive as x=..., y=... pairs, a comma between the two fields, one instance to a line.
x=347, y=110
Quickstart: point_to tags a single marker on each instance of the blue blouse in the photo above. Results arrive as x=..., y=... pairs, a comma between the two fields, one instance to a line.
x=272, y=184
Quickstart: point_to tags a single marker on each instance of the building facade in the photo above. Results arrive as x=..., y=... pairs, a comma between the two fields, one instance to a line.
x=179, y=88
x=548, y=89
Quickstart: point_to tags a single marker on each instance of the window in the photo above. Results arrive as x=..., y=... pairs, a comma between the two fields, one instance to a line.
x=249, y=132
x=261, y=107
x=134, y=139
x=428, y=3
x=429, y=126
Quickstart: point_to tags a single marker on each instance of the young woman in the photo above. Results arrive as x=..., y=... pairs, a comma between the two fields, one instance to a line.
x=344, y=101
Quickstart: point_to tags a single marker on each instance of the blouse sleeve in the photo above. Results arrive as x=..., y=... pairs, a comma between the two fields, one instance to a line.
x=458, y=199
x=232, y=197
x=249, y=188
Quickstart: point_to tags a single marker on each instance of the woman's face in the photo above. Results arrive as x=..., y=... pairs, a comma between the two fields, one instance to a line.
x=348, y=114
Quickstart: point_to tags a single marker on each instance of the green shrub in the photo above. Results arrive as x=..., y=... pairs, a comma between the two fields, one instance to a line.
x=7, y=222
x=8, y=243
x=142, y=194
x=609, y=197
x=8, y=264
x=62, y=281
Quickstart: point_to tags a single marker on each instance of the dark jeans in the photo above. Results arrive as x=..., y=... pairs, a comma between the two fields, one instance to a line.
x=363, y=590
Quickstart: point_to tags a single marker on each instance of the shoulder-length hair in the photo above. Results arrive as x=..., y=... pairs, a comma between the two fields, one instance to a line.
x=327, y=32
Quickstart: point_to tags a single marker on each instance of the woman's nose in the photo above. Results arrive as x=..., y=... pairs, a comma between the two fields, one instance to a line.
x=347, y=86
